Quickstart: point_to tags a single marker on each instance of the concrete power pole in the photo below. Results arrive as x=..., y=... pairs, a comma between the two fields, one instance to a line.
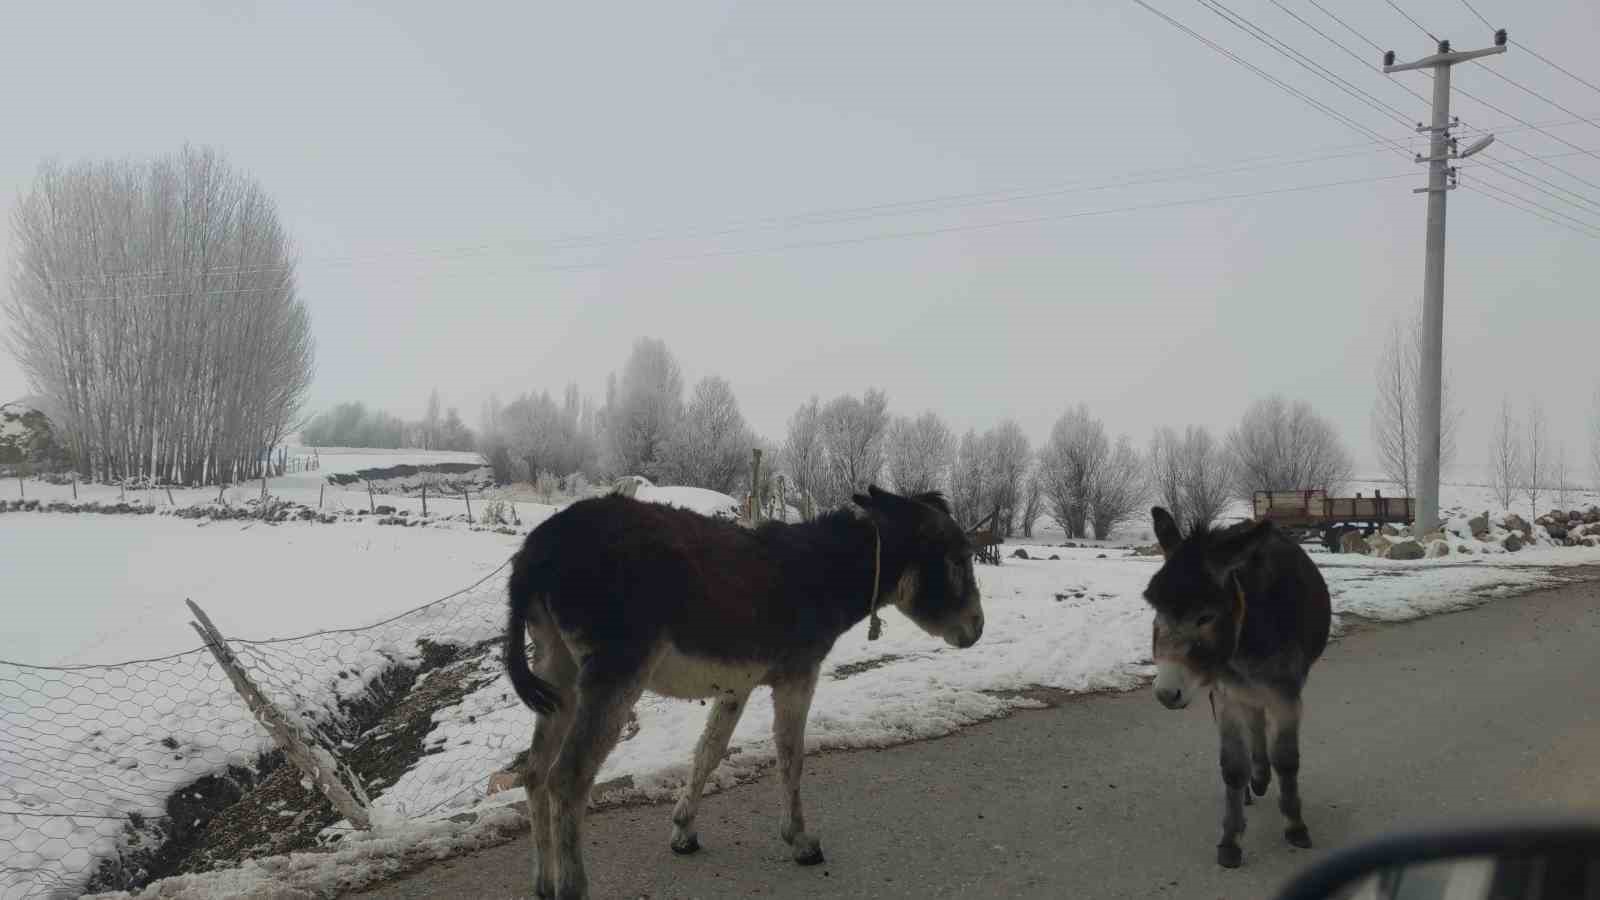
x=1441, y=179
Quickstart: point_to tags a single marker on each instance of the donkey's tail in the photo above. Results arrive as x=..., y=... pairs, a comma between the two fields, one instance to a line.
x=538, y=694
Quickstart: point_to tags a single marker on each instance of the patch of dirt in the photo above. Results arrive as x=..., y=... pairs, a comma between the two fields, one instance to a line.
x=270, y=809
x=849, y=670
x=404, y=471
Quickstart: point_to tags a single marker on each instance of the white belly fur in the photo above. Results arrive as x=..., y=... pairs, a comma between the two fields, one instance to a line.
x=694, y=678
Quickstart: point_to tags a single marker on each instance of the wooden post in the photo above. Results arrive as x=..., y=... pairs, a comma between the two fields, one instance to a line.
x=424, y=499
x=371, y=504
x=170, y=501
x=755, y=486
x=122, y=488
x=320, y=488
x=74, y=488
x=515, y=519
x=783, y=501
x=21, y=492
x=313, y=761
x=467, y=495
x=221, y=486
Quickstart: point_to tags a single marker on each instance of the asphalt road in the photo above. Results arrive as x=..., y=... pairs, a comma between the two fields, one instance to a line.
x=1490, y=711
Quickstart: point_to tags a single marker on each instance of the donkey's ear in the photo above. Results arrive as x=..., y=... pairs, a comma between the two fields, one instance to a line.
x=1167, y=533
x=1230, y=552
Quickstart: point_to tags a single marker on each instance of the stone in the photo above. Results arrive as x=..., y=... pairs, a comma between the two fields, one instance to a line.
x=1353, y=542
x=1438, y=549
x=384, y=510
x=1464, y=550
x=1379, y=545
x=1019, y=553
x=1479, y=525
x=1406, y=550
x=1592, y=515
x=1389, y=531
x=1557, y=532
x=1515, y=522
x=1432, y=536
x=1512, y=543
x=1055, y=556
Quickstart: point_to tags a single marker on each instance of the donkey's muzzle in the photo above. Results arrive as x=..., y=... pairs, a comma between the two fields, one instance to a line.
x=1172, y=698
x=967, y=633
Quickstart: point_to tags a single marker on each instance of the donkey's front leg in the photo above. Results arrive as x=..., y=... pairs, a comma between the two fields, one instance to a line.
x=707, y=753
x=791, y=703
x=1235, y=759
x=1286, y=759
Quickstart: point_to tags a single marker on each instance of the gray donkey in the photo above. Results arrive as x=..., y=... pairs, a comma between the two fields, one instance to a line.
x=621, y=597
x=1241, y=612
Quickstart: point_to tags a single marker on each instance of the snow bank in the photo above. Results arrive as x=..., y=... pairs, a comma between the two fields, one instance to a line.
x=700, y=500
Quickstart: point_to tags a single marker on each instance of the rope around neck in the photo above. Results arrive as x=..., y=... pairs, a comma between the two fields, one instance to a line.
x=875, y=624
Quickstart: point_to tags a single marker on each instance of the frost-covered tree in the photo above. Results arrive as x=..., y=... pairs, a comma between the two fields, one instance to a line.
x=803, y=457
x=1190, y=474
x=1505, y=455
x=920, y=452
x=1396, y=423
x=1279, y=446
x=710, y=445
x=853, y=432
x=649, y=402
x=154, y=305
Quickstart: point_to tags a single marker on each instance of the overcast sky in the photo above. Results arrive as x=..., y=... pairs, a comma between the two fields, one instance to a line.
x=425, y=155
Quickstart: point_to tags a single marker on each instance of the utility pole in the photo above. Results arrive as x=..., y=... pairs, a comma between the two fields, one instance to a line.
x=1441, y=179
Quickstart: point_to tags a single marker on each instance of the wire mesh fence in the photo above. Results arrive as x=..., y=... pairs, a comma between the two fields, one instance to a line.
x=114, y=775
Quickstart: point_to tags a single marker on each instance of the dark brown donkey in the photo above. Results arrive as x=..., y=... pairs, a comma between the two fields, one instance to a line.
x=621, y=596
x=1241, y=612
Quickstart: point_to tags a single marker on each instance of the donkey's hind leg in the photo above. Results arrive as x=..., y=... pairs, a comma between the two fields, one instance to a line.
x=608, y=687
x=556, y=666
x=1260, y=762
x=1286, y=759
x=1235, y=759
x=791, y=703
x=707, y=753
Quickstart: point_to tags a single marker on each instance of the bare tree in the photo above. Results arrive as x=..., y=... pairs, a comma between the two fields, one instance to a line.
x=649, y=402
x=432, y=422
x=1069, y=464
x=1190, y=474
x=803, y=457
x=1396, y=424
x=1536, y=458
x=1119, y=491
x=1009, y=455
x=1562, y=478
x=920, y=453
x=1594, y=438
x=1279, y=446
x=853, y=433
x=1505, y=455
x=1032, y=500
x=969, y=489
x=710, y=446
x=154, y=305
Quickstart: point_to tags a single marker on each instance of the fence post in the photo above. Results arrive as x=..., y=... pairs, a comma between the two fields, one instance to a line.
x=313, y=761
x=783, y=501
x=424, y=499
x=371, y=504
x=122, y=489
x=221, y=486
x=21, y=492
x=755, y=486
x=467, y=495
x=170, y=501
x=320, y=488
x=74, y=488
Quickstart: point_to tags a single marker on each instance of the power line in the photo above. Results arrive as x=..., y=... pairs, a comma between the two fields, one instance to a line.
x=898, y=235
x=1552, y=64
x=1479, y=100
x=1275, y=81
x=1531, y=91
x=1346, y=25
x=1543, y=190
x=1341, y=45
x=1474, y=11
x=1396, y=7
x=1272, y=43
x=1515, y=201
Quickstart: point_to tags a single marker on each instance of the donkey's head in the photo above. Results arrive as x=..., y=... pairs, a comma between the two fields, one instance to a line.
x=1199, y=605
x=937, y=588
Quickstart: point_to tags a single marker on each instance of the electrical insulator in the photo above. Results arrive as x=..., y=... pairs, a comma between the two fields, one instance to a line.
x=1388, y=56
x=1500, y=38
x=1444, y=46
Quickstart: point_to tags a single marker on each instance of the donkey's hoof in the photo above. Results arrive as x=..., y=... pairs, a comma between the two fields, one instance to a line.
x=1259, y=785
x=1249, y=799
x=1229, y=856
x=683, y=845
x=1298, y=836
x=807, y=851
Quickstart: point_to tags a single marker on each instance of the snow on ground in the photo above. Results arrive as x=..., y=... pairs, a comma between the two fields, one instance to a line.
x=700, y=500
x=105, y=587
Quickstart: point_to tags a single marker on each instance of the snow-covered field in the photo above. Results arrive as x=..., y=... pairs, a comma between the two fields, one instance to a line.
x=108, y=587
